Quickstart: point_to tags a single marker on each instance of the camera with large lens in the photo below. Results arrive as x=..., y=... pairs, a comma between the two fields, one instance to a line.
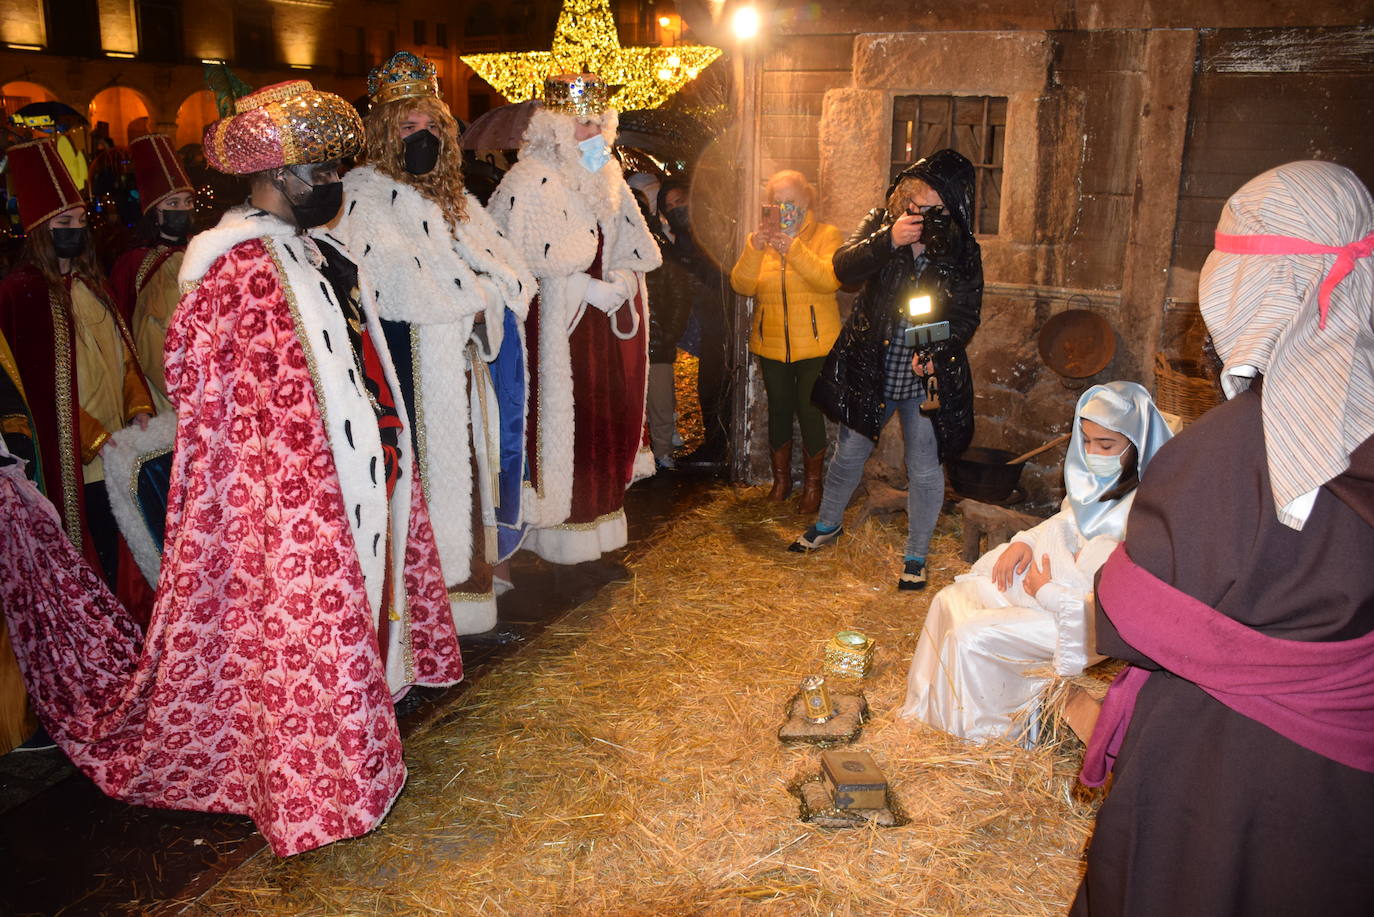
x=937, y=232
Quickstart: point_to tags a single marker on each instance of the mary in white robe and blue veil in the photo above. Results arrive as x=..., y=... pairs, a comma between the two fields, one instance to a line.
x=969, y=676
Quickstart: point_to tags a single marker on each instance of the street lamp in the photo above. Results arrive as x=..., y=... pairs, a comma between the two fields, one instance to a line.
x=745, y=23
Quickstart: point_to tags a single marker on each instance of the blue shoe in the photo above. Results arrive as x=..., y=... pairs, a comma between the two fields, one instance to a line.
x=913, y=575
x=813, y=539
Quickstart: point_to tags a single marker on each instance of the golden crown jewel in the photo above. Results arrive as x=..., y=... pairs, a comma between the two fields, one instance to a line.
x=268, y=95
x=577, y=94
x=404, y=76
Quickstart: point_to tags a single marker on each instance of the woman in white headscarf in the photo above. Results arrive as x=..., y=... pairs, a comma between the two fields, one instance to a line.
x=1025, y=604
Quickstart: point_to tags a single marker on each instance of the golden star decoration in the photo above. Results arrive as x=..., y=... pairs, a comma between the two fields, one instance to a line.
x=586, y=40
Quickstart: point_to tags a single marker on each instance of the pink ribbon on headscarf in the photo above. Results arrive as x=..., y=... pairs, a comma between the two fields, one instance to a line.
x=1292, y=245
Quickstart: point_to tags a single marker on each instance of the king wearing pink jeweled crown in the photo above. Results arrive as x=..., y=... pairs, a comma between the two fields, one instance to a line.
x=300, y=590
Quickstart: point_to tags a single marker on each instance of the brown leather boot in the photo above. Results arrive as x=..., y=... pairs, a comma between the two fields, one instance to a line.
x=813, y=482
x=782, y=473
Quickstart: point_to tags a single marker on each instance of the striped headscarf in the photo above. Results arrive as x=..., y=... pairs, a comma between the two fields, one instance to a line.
x=1300, y=313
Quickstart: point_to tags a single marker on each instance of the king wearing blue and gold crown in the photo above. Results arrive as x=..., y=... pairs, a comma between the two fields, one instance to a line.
x=452, y=295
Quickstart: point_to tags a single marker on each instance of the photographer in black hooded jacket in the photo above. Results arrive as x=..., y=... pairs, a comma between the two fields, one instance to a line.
x=920, y=244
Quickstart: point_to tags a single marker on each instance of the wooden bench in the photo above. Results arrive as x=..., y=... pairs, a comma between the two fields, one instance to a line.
x=995, y=523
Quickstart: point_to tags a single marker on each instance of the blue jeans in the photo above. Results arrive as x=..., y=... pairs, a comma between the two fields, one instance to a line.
x=925, y=493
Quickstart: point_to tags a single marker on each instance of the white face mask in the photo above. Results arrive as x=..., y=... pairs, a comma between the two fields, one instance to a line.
x=1103, y=466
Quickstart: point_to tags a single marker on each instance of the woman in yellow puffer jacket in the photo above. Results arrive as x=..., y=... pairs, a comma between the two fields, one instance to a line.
x=787, y=269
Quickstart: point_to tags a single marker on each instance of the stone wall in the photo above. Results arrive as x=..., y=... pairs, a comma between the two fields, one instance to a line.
x=1123, y=138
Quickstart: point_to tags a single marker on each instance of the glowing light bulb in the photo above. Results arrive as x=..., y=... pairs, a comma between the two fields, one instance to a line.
x=665, y=74
x=918, y=306
x=745, y=23
x=672, y=60
x=665, y=21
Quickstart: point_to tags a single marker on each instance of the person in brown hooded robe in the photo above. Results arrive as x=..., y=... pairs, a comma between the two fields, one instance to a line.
x=1261, y=513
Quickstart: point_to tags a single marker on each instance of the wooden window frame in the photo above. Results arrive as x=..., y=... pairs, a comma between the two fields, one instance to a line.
x=980, y=137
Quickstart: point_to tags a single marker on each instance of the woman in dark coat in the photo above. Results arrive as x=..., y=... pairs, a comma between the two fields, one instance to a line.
x=920, y=244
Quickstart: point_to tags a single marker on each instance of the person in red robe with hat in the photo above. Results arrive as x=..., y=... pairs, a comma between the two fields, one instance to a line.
x=145, y=285
x=301, y=591
x=75, y=355
x=144, y=278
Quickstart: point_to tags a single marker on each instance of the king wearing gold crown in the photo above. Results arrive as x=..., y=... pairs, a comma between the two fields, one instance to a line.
x=300, y=589
x=566, y=208
x=452, y=295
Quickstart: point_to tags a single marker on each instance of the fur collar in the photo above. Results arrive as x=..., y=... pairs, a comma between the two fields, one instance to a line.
x=239, y=224
x=555, y=228
x=424, y=271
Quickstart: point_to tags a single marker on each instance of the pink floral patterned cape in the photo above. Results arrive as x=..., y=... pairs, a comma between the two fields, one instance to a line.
x=259, y=688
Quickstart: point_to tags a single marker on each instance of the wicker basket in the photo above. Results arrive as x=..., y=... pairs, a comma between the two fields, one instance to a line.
x=1181, y=388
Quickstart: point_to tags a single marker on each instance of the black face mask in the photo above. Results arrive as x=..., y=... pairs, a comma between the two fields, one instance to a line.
x=317, y=206
x=175, y=224
x=677, y=217
x=69, y=241
x=421, y=153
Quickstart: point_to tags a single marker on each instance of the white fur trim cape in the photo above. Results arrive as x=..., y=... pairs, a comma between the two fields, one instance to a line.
x=123, y=455
x=438, y=281
x=552, y=218
x=350, y=422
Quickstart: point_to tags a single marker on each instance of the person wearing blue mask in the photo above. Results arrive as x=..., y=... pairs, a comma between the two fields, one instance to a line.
x=1026, y=604
x=568, y=212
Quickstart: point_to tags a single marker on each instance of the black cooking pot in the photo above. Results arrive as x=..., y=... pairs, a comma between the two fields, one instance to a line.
x=983, y=474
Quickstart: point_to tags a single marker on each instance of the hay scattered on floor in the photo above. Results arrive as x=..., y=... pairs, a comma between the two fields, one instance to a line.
x=627, y=761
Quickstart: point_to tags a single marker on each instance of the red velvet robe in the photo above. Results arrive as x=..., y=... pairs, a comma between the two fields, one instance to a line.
x=132, y=270
x=608, y=405
x=37, y=322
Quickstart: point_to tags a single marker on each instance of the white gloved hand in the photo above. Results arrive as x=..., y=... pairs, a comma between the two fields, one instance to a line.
x=624, y=281
x=605, y=296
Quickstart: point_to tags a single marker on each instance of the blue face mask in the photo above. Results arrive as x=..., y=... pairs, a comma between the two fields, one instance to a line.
x=595, y=153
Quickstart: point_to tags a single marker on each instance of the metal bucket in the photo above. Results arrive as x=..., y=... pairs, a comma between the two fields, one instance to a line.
x=983, y=474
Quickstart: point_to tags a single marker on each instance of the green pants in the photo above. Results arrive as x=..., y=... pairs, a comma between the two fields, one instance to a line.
x=789, y=395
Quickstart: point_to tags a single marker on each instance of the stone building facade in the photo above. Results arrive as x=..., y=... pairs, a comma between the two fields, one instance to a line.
x=1126, y=127
x=74, y=50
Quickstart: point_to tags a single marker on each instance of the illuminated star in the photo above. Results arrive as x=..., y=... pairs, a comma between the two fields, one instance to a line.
x=586, y=41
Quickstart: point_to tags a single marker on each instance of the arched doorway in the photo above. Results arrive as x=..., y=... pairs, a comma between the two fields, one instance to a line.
x=125, y=110
x=19, y=93
x=15, y=95
x=197, y=111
